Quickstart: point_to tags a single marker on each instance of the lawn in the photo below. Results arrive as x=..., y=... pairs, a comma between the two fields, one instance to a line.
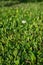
x=21, y=34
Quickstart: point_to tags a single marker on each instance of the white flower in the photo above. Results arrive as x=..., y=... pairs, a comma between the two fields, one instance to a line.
x=23, y=21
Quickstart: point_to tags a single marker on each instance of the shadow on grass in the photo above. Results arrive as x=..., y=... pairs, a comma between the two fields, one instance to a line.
x=11, y=3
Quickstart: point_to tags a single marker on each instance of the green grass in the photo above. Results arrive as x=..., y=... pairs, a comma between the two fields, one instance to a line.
x=21, y=34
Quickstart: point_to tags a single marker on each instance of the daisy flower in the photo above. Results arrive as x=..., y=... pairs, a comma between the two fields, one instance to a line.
x=23, y=21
